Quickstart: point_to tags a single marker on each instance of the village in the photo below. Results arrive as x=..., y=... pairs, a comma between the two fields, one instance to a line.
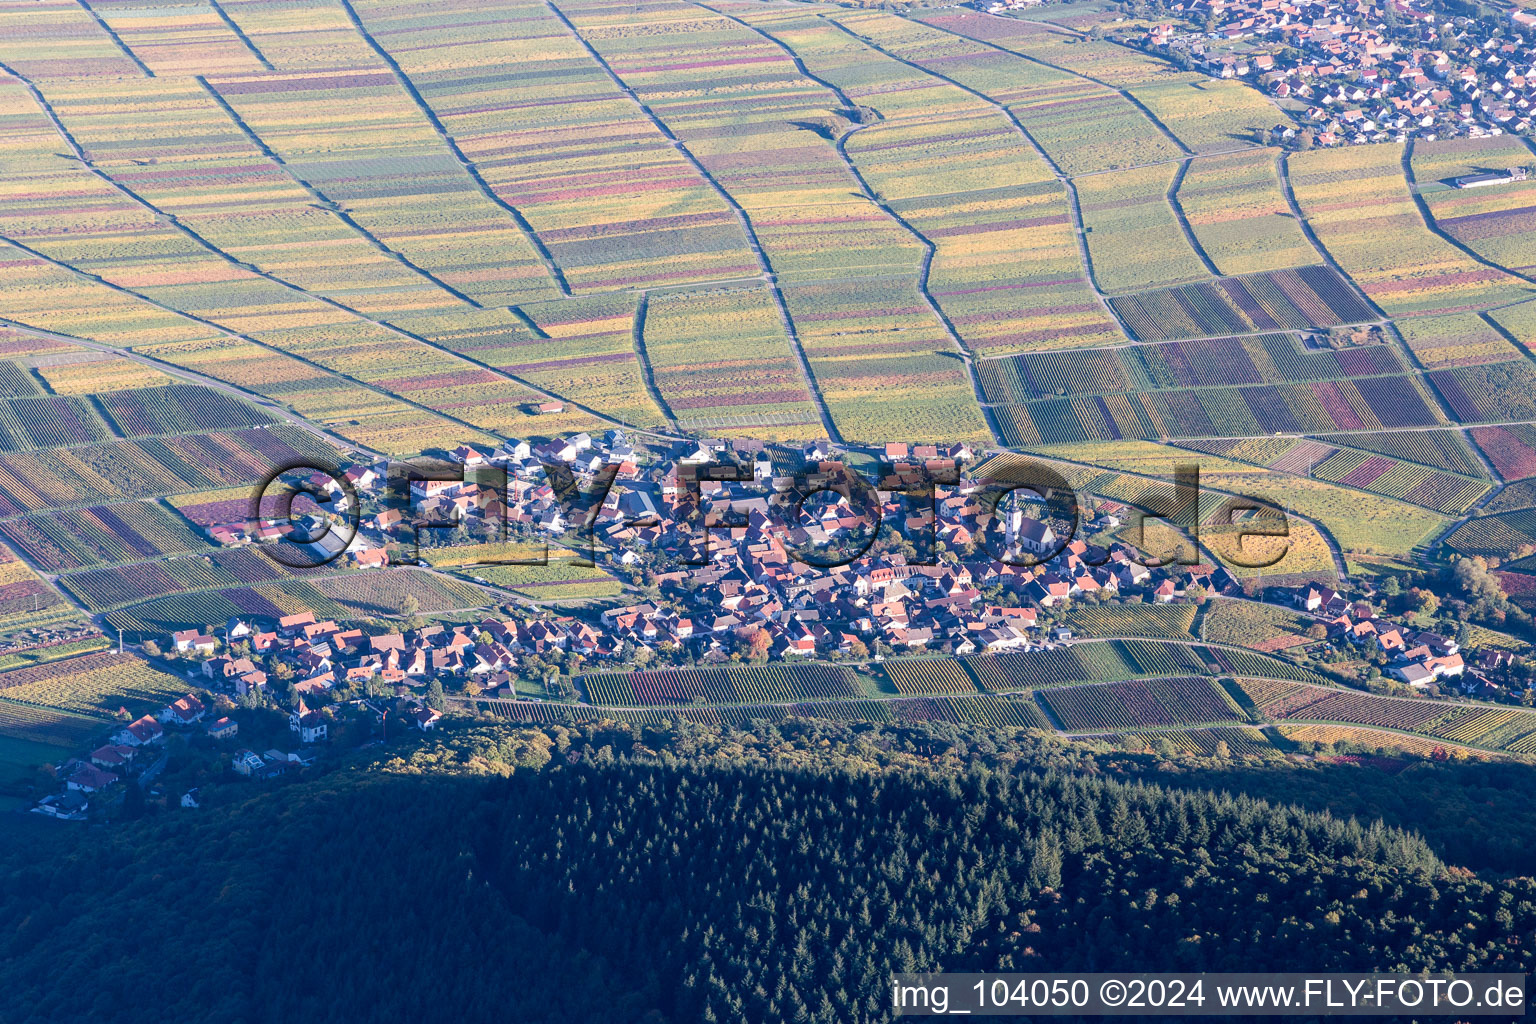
x=1362, y=72
x=726, y=577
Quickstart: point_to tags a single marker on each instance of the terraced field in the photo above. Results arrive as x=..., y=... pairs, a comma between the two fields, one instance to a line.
x=1498, y=222
x=1239, y=215
x=1359, y=203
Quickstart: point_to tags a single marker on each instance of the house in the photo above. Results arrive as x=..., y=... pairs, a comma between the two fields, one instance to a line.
x=225, y=728
x=69, y=806
x=371, y=558
x=310, y=725
x=293, y=625
x=426, y=719
x=193, y=640
x=87, y=778
x=189, y=798
x=140, y=733
x=246, y=762
x=113, y=756
x=184, y=712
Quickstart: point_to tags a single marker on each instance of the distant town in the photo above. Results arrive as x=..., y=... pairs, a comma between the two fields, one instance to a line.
x=749, y=601
x=1363, y=72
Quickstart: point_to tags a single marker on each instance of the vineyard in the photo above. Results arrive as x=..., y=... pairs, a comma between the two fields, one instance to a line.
x=928, y=676
x=1208, y=362
x=1320, y=407
x=1440, y=449
x=1498, y=224
x=178, y=409
x=1480, y=725
x=1189, y=700
x=77, y=538
x=734, y=684
x=1455, y=339
x=1240, y=741
x=1263, y=627
x=1298, y=300
x=50, y=726
x=1028, y=670
x=93, y=684
x=1496, y=391
x=1511, y=449
x=1238, y=213
x=101, y=589
x=999, y=712
x=1498, y=535
x=1360, y=207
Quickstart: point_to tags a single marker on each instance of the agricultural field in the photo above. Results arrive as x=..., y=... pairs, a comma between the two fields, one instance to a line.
x=720, y=359
x=1134, y=237
x=1082, y=125
x=1430, y=488
x=1292, y=299
x=83, y=376
x=1239, y=741
x=1360, y=206
x=1479, y=725
x=1502, y=535
x=1099, y=60
x=178, y=409
x=1209, y=362
x=1005, y=271
x=111, y=587
x=95, y=684
x=51, y=421
x=581, y=348
x=1086, y=662
x=611, y=201
x=1108, y=707
x=1013, y=711
x=114, y=471
x=1440, y=449
x=50, y=733
x=1238, y=213
x=1209, y=115
x=1519, y=322
x=1511, y=449
x=560, y=580
x=1368, y=403
x=1263, y=627
x=77, y=538
x=1498, y=222
x=59, y=37
x=916, y=677
x=1369, y=739
x=1455, y=339
x=384, y=593
x=26, y=599
x=1359, y=521
x=1355, y=517
x=1491, y=392
x=1159, y=621
x=736, y=684
x=81, y=260
x=53, y=652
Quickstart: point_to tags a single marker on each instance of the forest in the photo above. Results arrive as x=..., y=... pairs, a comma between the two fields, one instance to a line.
x=694, y=873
